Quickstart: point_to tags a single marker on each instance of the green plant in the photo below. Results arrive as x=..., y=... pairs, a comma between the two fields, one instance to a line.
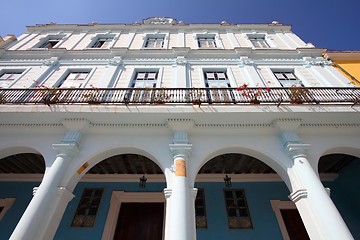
x=252, y=93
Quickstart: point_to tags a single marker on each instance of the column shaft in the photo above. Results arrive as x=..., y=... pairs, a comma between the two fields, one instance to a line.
x=320, y=215
x=37, y=214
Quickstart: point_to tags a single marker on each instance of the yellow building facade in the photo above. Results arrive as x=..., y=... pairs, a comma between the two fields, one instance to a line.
x=348, y=63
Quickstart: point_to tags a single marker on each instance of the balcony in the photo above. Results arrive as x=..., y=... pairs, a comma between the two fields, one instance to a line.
x=196, y=96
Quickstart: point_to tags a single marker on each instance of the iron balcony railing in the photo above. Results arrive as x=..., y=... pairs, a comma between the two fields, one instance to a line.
x=197, y=96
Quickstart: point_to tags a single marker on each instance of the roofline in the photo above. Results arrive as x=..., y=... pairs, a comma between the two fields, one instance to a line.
x=247, y=26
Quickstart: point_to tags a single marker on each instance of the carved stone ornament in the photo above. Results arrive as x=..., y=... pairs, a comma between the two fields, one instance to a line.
x=159, y=20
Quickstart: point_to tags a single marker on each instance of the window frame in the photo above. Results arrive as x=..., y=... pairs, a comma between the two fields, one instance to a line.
x=203, y=206
x=206, y=37
x=161, y=36
x=88, y=205
x=216, y=72
x=286, y=81
x=108, y=38
x=5, y=203
x=157, y=81
x=46, y=41
x=60, y=82
x=259, y=38
x=237, y=208
x=19, y=73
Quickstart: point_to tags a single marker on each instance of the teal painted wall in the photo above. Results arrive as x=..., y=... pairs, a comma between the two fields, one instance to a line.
x=262, y=216
x=344, y=192
x=258, y=197
x=346, y=196
x=23, y=194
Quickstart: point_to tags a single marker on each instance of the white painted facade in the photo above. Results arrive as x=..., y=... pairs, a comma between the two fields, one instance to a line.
x=289, y=138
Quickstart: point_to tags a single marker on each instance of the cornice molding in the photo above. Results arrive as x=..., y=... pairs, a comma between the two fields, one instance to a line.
x=165, y=125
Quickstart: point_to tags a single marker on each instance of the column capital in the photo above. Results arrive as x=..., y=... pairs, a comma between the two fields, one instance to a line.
x=180, y=128
x=180, y=150
x=296, y=149
x=67, y=149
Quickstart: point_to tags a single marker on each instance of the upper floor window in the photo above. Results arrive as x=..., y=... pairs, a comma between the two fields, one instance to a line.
x=145, y=79
x=102, y=41
x=87, y=208
x=206, y=41
x=7, y=77
x=154, y=41
x=287, y=78
x=74, y=79
x=216, y=79
x=237, y=209
x=258, y=41
x=49, y=42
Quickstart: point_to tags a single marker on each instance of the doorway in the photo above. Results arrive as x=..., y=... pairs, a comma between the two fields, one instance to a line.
x=140, y=221
x=290, y=222
x=123, y=203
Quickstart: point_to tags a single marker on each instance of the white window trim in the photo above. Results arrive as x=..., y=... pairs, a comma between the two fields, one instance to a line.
x=165, y=35
x=266, y=37
x=277, y=205
x=227, y=70
x=60, y=37
x=119, y=197
x=24, y=71
x=113, y=36
x=299, y=77
x=216, y=36
x=159, y=79
x=6, y=204
x=69, y=70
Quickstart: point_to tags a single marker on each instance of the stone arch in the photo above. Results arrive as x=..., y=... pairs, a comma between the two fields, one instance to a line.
x=21, y=160
x=344, y=164
x=267, y=159
x=73, y=177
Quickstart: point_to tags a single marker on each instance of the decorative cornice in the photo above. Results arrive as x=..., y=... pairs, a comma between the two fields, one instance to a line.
x=32, y=125
x=75, y=123
x=130, y=125
x=180, y=124
x=287, y=123
x=232, y=125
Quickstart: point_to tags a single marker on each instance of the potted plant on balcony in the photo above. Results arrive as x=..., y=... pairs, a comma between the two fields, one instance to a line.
x=160, y=96
x=92, y=96
x=297, y=94
x=252, y=93
x=48, y=95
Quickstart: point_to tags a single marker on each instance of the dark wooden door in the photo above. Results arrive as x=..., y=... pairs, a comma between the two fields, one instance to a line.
x=140, y=221
x=294, y=225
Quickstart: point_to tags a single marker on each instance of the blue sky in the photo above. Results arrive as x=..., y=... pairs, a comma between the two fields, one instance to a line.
x=331, y=24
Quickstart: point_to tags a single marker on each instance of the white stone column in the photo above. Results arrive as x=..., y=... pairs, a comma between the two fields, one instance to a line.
x=181, y=215
x=319, y=214
x=43, y=214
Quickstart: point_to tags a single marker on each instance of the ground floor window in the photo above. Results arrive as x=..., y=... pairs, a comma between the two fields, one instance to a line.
x=87, y=209
x=237, y=209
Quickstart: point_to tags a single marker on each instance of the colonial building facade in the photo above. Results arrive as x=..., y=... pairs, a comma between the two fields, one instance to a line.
x=166, y=130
